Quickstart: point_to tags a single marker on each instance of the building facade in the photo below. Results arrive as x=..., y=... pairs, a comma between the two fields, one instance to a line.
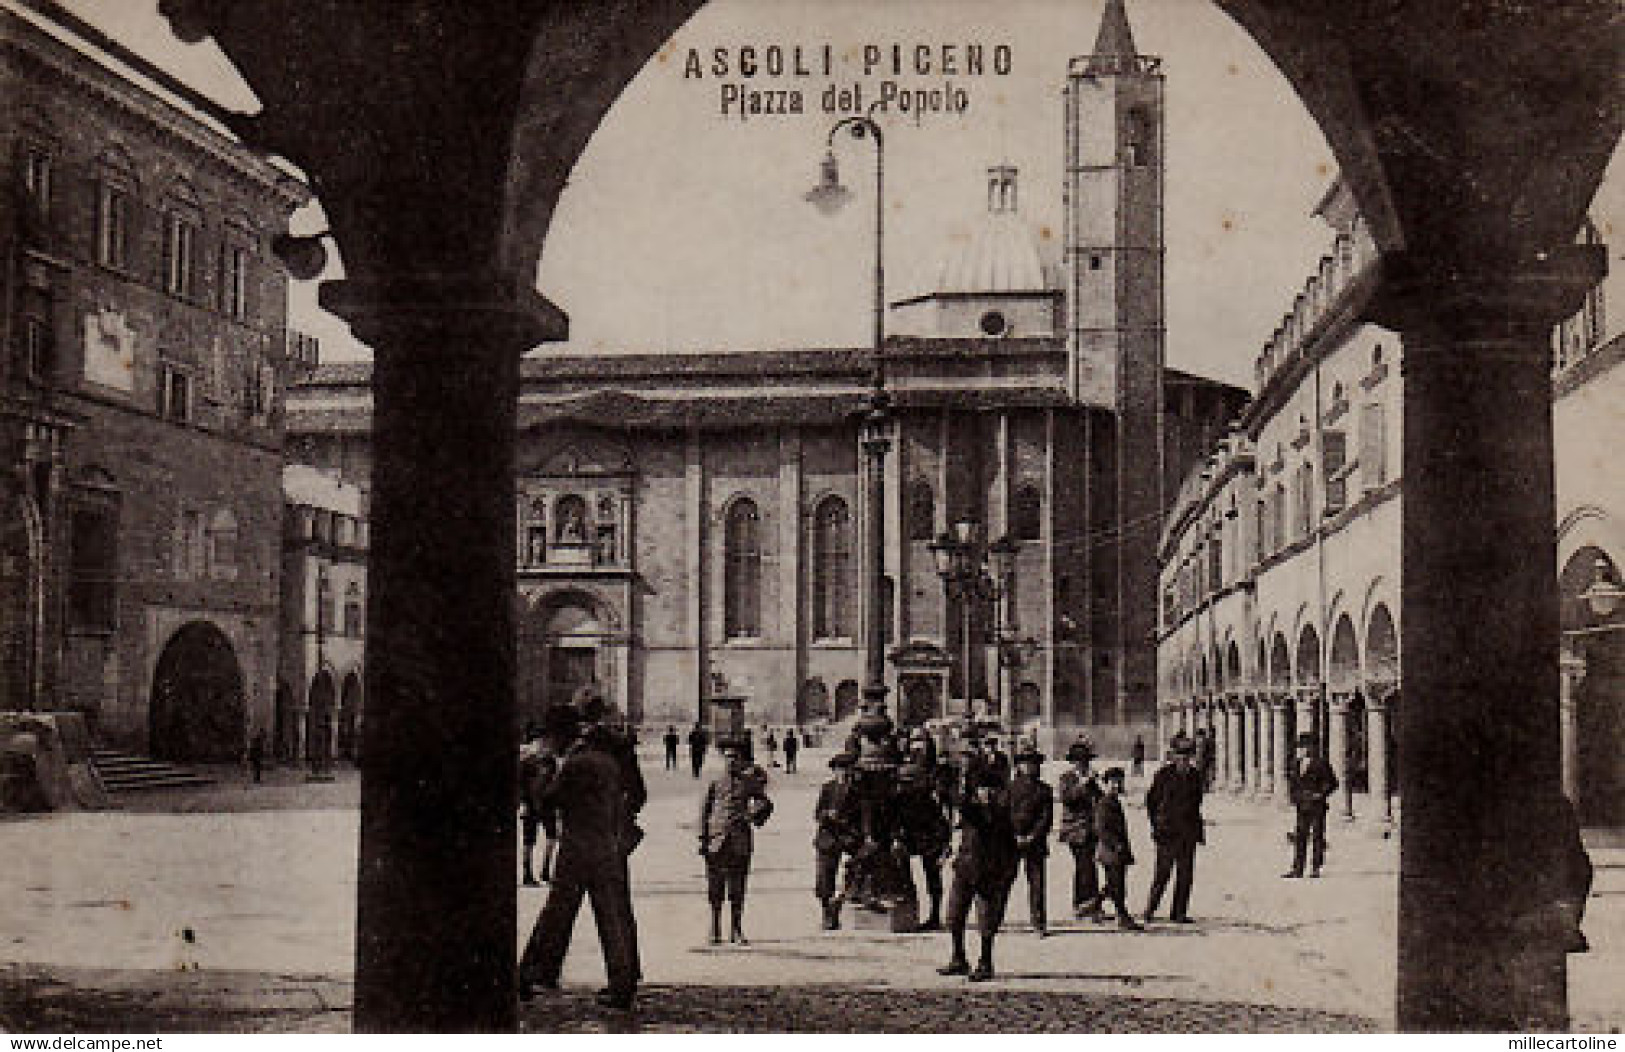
x=1281, y=557
x=140, y=429
x=322, y=629
x=689, y=527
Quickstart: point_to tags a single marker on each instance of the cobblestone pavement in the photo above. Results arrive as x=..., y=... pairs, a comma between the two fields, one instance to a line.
x=94, y=908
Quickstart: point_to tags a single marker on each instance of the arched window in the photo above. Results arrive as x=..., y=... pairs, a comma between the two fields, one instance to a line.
x=832, y=570
x=742, y=569
x=1027, y=514
x=922, y=511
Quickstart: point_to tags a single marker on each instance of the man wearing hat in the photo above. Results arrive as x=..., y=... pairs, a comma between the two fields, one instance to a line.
x=1311, y=782
x=984, y=869
x=1174, y=805
x=1113, y=848
x=923, y=828
x=1032, y=811
x=733, y=805
x=1079, y=793
x=836, y=820
x=593, y=847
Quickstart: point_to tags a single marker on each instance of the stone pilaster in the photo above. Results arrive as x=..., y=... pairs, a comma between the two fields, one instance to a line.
x=1281, y=709
x=1572, y=671
x=1381, y=778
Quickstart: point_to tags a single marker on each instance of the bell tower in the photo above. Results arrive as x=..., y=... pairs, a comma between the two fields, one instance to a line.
x=1115, y=330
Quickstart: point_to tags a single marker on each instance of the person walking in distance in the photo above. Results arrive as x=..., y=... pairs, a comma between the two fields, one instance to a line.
x=792, y=748
x=1113, y=848
x=1032, y=812
x=984, y=870
x=733, y=805
x=256, y=756
x=671, y=741
x=592, y=863
x=1174, y=805
x=1137, y=756
x=836, y=835
x=1079, y=793
x=1310, y=783
x=698, y=742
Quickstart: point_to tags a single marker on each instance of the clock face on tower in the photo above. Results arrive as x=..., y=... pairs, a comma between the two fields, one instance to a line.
x=994, y=324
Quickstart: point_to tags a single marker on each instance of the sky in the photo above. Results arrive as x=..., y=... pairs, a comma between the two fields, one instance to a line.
x=684, y=229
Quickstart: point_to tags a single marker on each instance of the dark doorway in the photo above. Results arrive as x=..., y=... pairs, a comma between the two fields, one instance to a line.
x=350, y=718
x=568, y=670
x=319, y=718
x=1600, y=710
x=196, y=713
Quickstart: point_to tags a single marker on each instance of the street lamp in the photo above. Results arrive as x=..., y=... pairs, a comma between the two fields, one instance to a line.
x=829, y=196
x=974, y=572
x=1603, y=595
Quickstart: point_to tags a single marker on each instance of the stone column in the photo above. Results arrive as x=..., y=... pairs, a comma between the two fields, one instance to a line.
x=1337, y=743
x=1376, y=722
x=1280, y=704
x=1481, y=944
x=1572, y=668
x=1255, y=743
x=1238, y=745
x=438, y=774
x=1221, y=742
x=1266, y=743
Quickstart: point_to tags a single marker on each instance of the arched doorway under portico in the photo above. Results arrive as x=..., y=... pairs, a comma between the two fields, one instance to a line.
x=197, y=712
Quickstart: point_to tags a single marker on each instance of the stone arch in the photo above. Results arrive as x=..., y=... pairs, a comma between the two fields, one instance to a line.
x=1280, y=662
x=1306, y=658
x=197, y=711
x=1381, y=649
x=1233, y=665
x=567, y=641
x=1344, y=670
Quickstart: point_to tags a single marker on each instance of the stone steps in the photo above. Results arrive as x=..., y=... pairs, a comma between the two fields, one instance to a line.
x=123, y=772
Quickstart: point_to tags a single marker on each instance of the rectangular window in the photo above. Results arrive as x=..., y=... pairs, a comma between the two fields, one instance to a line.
x=114, y=216
x=37, y=180
x=1334, y=467
x=234, y=282
x=38, y=358
x=93, y=574
x=1373, y=446
x=180, y=256
x=174, y=394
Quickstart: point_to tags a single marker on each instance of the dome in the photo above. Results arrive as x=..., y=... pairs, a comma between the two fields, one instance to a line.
x=1003, y=254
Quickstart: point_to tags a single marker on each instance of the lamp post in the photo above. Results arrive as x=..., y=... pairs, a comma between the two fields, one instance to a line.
x=975, y=572
x=829, y=196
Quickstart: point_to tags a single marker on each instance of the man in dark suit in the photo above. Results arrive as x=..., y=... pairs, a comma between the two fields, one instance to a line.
x=1174, y=805
x=1032, y=812
x=1112, y=847
x=593, y=846
x=1079, y=793
x=1311, y=783
x=984, y=869
x=836, y=818
x=698, y=742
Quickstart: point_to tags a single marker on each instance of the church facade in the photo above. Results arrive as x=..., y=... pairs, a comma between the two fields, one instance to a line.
x=688, y=527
